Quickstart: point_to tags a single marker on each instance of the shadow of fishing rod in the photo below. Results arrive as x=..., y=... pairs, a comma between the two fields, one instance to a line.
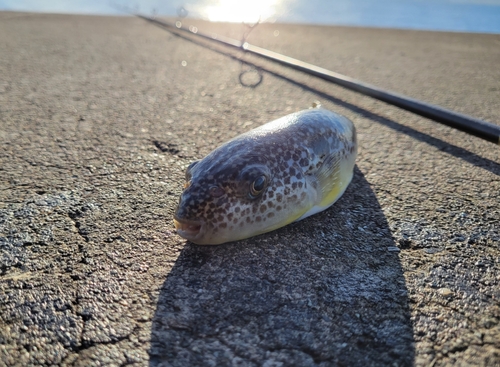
x=468, y=124
x=450, y=149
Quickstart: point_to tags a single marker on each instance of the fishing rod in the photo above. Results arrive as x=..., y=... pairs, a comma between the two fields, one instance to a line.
x=471, y=125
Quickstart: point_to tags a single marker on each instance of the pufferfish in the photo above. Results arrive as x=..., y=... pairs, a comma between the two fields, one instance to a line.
x=279, y=173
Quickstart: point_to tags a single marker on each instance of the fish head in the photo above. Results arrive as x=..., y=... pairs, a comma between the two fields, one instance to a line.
x=229, y=197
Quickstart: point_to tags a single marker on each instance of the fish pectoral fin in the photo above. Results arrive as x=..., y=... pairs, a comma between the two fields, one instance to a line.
x=329, y=176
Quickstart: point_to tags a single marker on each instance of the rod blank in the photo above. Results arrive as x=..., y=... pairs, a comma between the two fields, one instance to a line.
x=468, y=124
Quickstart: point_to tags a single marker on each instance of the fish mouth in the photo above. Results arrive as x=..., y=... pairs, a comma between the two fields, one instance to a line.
x=188, y=229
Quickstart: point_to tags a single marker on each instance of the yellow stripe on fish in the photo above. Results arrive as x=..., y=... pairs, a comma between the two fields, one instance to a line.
x=278, y=173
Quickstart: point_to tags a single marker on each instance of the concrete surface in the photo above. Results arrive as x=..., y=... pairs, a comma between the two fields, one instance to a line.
x=99, y=116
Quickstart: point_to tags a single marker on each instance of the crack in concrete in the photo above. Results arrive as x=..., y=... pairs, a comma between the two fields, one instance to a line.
x=74, y=215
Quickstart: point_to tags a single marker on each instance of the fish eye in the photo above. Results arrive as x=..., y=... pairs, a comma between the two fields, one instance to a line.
x=258, y=186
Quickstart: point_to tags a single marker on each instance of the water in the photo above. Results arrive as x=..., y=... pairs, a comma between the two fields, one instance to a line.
x=438, y=15
x=407, y=14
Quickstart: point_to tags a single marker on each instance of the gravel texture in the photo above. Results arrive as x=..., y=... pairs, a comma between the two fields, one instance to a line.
x=99, y=116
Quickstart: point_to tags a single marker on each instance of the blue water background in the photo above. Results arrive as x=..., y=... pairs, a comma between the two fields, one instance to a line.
x=439, y=15
x=425, y=15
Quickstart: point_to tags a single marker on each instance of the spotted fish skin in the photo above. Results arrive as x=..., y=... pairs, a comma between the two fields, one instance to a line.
x=278, y=173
